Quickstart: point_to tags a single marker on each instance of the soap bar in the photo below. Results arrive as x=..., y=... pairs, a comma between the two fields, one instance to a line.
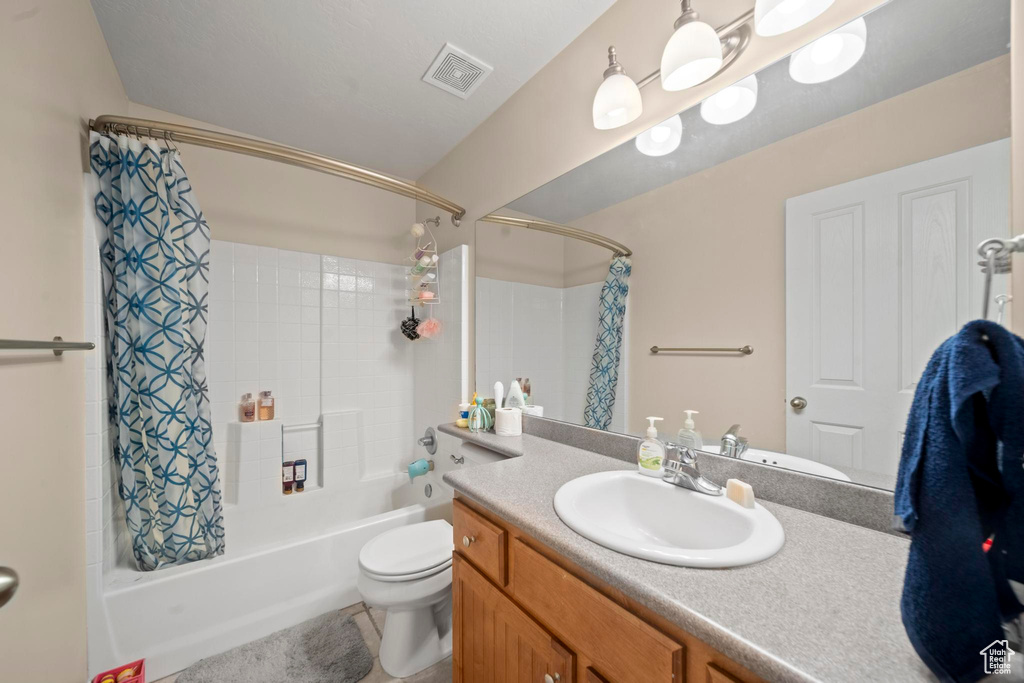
x=740, y=492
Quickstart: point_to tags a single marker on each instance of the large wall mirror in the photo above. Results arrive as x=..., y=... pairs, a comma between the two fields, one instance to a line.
x=828, y=222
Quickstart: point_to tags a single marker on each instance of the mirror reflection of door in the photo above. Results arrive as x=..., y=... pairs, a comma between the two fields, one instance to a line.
x=879, y=272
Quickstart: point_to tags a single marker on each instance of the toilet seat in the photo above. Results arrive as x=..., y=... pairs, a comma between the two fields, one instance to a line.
x=408, y=572
x=395, y=578
x=410, y=552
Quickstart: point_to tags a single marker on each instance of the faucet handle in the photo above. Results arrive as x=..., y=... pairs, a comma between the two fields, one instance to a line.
x=733, y=432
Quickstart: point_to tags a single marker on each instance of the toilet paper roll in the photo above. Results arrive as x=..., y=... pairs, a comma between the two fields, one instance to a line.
x=535, y=411
x=508, y=422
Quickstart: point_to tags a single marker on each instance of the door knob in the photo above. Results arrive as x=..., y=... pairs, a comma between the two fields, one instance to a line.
x=798, y=403
x=467, y=540
x=8, y=584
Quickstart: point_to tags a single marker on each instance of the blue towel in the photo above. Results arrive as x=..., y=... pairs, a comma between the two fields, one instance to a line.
x=961, y=481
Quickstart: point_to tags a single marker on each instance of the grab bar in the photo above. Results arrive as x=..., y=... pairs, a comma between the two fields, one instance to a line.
x=58, y=345
x=745, y=350
x=302, y=427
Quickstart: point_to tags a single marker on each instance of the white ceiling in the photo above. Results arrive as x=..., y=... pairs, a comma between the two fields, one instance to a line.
x=339, y=77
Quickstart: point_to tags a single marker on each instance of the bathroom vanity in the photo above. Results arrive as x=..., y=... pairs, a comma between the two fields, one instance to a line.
x=523, y=611
x=535, y=601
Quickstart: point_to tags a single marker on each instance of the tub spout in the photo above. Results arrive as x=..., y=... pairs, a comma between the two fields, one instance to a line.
x=419, y=467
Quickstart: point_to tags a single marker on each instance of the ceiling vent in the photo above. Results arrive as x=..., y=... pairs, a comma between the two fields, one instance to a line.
x=456, y=72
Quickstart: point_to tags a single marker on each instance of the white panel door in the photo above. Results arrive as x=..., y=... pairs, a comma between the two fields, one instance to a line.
x=879, y=272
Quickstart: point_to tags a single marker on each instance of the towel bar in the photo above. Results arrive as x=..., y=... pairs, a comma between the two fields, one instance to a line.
x=58, y=345
x=745, y=350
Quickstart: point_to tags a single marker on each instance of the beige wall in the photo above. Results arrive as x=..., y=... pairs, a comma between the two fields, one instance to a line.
x=1017, y=174
x=515, y=254
x=709, y=260
x=271, y=204
x=55, y=73
x=545, y=128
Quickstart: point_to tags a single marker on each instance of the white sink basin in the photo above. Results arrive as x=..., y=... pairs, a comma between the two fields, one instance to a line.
x=651, y=519
x=786, y=461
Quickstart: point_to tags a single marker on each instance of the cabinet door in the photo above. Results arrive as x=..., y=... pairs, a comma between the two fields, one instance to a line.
x=495, y=641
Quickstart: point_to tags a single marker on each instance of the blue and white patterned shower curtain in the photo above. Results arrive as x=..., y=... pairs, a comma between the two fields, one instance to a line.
x=604, y=367
x=155, y=258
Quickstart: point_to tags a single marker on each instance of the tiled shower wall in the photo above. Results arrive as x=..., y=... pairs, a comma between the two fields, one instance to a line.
x=546, y=334
x=321, y=333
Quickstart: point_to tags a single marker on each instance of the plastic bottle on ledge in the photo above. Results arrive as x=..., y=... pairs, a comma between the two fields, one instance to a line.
x=247, y=409
x=266, y=406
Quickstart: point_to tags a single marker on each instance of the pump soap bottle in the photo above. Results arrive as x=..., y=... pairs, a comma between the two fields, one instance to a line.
x=650, y=456
x=689, y=436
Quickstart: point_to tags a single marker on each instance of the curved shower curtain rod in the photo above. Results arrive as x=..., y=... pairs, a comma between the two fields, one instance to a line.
x=274, y=152
x=558, y=229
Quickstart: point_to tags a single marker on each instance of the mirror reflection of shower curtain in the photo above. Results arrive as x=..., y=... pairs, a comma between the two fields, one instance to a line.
x=604, y=368
x=155, y=258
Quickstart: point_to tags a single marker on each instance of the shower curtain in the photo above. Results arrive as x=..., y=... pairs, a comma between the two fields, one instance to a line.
x=604, y=367
x=155, y=257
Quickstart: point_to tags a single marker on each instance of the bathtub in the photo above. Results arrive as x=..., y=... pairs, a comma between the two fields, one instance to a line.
x=283, y=564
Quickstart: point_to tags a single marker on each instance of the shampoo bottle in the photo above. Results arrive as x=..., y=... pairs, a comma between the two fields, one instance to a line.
x=689, y=436
x=650, y=456
x=515, y=398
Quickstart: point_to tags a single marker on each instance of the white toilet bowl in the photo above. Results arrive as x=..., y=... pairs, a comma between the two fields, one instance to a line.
x=408, y=572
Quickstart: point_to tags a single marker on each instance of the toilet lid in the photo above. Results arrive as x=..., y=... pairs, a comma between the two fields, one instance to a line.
x=411, y=549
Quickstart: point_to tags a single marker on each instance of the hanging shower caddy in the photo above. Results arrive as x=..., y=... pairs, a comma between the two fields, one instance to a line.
x=424, y=287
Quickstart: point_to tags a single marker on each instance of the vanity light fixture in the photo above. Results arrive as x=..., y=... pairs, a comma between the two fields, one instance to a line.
x=831, y=55
x=731, y=104
x=692, y=55
x=775, y=17
x=617, y=101
x=662, y=139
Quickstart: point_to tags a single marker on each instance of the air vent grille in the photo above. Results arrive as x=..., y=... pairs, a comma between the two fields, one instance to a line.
x=456, y=72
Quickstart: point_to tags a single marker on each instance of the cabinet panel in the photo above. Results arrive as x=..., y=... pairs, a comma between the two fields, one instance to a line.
x=716, y=675
x=484, y=543
x=621, y=645
x=495, y=641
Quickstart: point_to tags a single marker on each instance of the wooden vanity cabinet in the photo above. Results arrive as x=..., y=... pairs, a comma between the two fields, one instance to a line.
x=497, y=641
x=523, y=613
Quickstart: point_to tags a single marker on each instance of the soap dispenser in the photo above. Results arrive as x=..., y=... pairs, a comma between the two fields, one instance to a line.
x=650, y=456
x=689, y=436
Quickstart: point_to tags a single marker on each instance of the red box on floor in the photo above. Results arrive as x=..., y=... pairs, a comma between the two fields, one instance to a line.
x=139, y=675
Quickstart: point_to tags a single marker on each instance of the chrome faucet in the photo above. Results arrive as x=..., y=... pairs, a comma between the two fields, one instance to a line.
x=732, y=445
x=683, y=471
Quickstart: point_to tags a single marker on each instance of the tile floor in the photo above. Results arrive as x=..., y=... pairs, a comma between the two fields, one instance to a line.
x=371, y=621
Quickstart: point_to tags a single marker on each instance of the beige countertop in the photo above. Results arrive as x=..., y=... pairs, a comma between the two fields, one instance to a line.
x=825, y=608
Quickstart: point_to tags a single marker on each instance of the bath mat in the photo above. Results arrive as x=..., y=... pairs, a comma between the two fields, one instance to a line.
x=325, y=649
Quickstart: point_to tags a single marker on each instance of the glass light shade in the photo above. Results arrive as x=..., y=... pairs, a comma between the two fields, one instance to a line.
x=692, y=55
x=661, y=139
x=831, y=55
x=775, y=17
x=617, y=102
x=731, y=104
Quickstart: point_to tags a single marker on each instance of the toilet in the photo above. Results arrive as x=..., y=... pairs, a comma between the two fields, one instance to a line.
x=408, y=572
